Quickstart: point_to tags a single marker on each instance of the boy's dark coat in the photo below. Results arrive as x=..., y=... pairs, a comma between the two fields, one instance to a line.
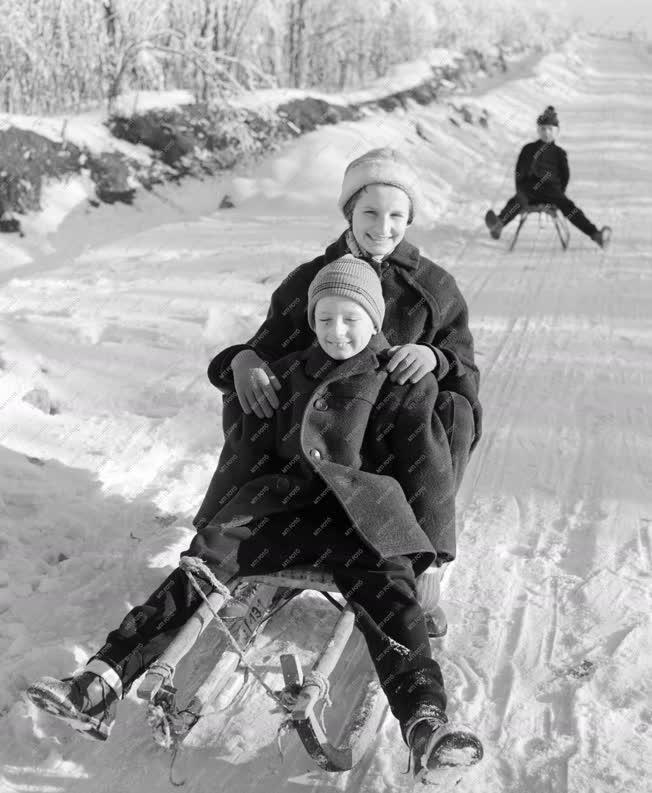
x=541, y=162
x=384, y=456
x=423, y=306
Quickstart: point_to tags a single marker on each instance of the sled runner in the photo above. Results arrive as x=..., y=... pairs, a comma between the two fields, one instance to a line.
x=561, y=225
x=305, y=696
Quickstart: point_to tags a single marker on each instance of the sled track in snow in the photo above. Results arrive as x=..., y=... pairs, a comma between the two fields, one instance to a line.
x=551, y=496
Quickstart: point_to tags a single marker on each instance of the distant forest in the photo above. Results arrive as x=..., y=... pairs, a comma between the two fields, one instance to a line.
x=58, y=55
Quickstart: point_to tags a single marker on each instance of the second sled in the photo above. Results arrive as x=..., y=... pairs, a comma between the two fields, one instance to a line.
x=544, y=211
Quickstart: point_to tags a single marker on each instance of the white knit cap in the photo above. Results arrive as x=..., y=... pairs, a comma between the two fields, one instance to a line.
x=380, y=166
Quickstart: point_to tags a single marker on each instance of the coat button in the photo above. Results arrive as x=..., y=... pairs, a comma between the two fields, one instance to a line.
x=321, y=404
x=283, y=484
x=316, y=454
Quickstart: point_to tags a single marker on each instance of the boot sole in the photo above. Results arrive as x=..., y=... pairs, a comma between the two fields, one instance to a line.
x=492, y=223
x=451, y=750
x=606, y=237
x=453, y=746
x=56, y=705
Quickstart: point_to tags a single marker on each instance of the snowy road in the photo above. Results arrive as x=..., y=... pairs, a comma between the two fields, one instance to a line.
x=548, y=652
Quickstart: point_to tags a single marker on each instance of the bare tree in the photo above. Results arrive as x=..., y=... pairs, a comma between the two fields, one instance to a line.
x=296, y=42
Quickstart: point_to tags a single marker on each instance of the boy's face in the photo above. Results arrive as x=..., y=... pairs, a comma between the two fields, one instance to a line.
x=547, y=132
x=343, y=328
x=380, y=217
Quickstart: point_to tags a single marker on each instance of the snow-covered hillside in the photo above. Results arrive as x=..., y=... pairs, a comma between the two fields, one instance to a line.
x=110, y=432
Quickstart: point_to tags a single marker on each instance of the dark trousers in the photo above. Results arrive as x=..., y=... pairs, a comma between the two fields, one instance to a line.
x=382, y=593
x=546, y=193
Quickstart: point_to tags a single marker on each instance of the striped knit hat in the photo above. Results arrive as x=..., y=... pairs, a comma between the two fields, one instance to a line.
x=352, y=278
x=380, y=166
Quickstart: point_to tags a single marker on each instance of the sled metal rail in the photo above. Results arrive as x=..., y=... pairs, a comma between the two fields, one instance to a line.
x=544, y=209
x=360, y=729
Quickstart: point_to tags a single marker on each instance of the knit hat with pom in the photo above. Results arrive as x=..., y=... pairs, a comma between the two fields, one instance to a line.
x=380, y=166
x=548, y=118
x=352, y=278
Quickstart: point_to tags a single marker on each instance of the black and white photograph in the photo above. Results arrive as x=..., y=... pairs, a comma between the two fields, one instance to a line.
x=325, y=396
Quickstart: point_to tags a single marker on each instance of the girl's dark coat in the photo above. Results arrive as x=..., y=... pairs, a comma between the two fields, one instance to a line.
x=423, y=306
x=342, y=430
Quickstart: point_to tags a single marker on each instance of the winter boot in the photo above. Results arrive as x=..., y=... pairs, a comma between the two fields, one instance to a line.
x=436, y=745
x=86, y=701
x=602, y=237
x=494, y=224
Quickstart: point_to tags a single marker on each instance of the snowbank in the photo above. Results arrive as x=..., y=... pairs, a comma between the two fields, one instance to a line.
x=153, y=136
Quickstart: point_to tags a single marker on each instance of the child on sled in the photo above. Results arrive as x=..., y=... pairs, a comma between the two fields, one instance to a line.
x=542, y=175
x=423, y=305
x=317, y=467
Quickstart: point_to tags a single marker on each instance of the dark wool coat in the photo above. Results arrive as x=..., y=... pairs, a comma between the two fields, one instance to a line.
x=423, y=306
x=347, y=442
x=542, y=162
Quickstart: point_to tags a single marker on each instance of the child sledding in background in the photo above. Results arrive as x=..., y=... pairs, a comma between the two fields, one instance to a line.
x=542, y=175
x=354, y=474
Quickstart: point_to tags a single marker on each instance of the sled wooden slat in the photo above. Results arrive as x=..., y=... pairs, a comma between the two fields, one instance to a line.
x=331, y=653
x=310, y=693
x=216, y=680
x=299, y=577
x=182, y=644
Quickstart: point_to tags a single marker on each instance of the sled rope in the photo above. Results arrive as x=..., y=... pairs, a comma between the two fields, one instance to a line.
x=191, y=565
x=159, y=720
x=288, y=698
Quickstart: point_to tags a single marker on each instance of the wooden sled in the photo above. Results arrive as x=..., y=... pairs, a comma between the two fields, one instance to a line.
x=308, y=694
x=561, y=224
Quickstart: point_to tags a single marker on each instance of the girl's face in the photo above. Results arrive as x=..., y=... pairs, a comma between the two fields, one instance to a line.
x=343, y=328
x=547, y=132
x=380, y=217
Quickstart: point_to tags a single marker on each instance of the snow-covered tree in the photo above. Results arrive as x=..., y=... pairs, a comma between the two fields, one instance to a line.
x=67, y=54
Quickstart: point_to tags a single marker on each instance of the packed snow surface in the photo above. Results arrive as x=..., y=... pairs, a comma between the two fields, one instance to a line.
x=110, y=432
